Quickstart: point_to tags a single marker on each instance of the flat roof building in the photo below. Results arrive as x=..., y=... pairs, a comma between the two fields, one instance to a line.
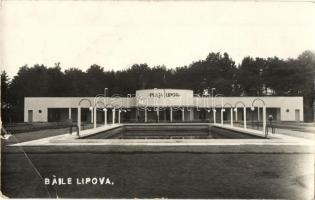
x=162, y=105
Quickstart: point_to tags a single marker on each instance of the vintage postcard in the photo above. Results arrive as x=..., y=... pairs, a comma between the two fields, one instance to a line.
x=157, y=99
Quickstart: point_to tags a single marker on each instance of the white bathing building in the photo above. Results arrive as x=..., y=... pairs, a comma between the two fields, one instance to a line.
x=162, y=105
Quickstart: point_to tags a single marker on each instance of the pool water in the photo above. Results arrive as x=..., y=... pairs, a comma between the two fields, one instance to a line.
x=170, y=132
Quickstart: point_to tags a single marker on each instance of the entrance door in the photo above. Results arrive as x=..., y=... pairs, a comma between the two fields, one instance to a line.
x=30, y=116
x=297, y=115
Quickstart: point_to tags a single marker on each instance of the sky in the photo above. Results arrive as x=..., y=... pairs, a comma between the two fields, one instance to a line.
x=116, y=35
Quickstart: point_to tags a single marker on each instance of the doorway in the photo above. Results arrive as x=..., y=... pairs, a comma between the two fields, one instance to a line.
x=297, y=115
x=30, y=116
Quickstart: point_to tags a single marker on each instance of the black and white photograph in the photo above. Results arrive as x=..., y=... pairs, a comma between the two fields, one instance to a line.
x=157, y=99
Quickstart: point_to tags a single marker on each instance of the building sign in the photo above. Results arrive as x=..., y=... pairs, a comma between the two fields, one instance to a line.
x=164, y=95
x=164, y=98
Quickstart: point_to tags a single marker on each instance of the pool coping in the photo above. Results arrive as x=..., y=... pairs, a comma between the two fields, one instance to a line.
x=277, y=143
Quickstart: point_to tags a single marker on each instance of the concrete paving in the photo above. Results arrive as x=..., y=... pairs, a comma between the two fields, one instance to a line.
x=276, y=143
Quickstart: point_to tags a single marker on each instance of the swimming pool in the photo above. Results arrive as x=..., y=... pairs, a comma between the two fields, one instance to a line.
x=170, y=132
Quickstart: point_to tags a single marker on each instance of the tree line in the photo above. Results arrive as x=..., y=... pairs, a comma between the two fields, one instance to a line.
x=252, y=77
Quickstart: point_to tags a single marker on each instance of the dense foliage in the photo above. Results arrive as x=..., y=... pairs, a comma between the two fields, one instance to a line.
x=253, y=77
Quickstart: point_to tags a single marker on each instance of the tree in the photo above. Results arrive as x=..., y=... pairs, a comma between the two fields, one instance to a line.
x=278, y=74
x=306, y=79
x=136, y=77
x=56, y=84
x=222, y=72
x=95, y=80
x=5, y=103
x=75, y=81
x=251, y=76
x=216, y=71
x=291, y=77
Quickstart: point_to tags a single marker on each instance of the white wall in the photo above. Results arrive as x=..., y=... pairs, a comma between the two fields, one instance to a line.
x=284, y=103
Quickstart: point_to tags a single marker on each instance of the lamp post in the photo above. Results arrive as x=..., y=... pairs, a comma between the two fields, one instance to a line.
x=92, y=115
x=212, y=105
x=260, y=80
x=171, y=114
x=155, y=105
x=158, y=114
x=208, y=110
x=214, y=115
x=121, y=110
x=69, y=116
x=79, y=112
x=222, y=111
x=244, y=112
x=79, y=118
x=197, y=96
x=264, y=111
x=231, y=112
x=113, y=115
x=219, y=95
x=95, y=112
x=205, y=100
x=129, y=96
x=105, y=116
x=104, y=109
x=145, y=114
